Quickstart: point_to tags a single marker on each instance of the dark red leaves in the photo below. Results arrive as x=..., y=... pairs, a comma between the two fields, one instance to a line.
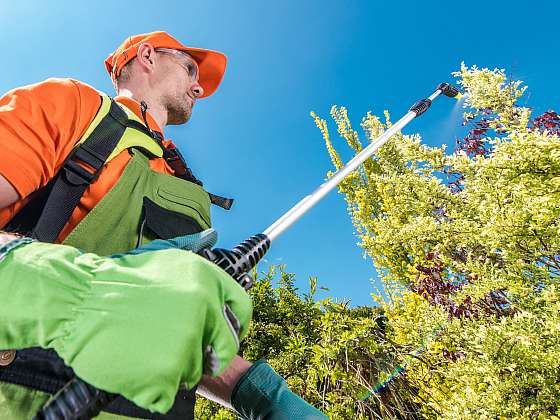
x=548, y=121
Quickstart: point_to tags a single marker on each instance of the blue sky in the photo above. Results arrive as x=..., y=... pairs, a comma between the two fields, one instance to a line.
x=254, y=140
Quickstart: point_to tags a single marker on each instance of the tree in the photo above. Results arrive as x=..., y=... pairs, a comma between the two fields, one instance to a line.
x=475, y=236
x=468, y=247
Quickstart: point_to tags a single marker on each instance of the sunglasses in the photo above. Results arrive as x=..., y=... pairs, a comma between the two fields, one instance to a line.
x=190, y=66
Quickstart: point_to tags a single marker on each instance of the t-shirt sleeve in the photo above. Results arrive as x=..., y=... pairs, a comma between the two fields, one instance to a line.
x=39, y=125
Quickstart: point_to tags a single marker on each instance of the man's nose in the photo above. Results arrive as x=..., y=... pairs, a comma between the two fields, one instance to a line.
x=197, y=90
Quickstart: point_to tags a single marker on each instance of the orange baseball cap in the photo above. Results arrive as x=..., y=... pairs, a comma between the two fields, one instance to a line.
x=211, y=64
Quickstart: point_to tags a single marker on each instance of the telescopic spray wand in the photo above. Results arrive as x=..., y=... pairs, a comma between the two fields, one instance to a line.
x=241, y=259
x=78, y=400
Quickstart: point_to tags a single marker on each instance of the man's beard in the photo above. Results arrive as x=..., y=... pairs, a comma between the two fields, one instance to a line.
x=179, y=110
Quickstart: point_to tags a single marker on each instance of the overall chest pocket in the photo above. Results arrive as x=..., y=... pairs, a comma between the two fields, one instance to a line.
x=169, y=215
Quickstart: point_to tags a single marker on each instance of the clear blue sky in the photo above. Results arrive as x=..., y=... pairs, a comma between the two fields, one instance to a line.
x=254, y=139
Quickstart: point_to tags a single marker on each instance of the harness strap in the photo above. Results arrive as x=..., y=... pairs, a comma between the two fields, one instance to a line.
x=73, y=179
x=175, y=159
x=222, y=202
x=43, y=370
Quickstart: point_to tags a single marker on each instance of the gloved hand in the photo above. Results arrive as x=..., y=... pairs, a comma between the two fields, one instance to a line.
x=138, y=324
x=263, y=394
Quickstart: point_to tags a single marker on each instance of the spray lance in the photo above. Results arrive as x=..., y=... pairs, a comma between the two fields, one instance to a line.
x=241, y=259
x=78, y=400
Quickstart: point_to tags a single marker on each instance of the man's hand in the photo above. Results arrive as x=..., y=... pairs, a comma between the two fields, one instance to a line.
x=219, y=389
x=135, y=325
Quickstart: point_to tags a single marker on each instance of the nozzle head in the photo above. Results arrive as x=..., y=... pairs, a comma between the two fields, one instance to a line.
x=449, y=90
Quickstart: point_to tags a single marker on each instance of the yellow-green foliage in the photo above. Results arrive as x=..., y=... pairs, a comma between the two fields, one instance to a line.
x=466, y=355
x=329, y=353
x=501, y=232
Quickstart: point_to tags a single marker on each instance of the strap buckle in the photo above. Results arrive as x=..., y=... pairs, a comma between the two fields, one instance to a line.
x=76, y=174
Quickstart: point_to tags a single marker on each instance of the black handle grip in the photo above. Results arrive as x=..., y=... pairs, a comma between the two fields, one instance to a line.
x=75, y=401
x=420, y=107
x=241, y=259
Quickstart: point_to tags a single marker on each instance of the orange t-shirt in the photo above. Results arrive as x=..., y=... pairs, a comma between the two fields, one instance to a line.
x=39, y=126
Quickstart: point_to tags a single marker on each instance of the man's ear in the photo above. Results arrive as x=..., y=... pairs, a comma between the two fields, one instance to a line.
x=146, y=56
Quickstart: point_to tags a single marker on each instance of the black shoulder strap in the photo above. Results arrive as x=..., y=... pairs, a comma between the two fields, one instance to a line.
x=73, y=179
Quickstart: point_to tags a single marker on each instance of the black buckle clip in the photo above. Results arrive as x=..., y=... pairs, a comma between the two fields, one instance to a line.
x=78, y=175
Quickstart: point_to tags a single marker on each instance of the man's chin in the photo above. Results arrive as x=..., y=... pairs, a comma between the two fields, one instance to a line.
x=179, y=118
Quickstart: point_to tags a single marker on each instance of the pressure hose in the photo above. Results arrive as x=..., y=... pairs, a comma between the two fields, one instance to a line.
x=78, y=400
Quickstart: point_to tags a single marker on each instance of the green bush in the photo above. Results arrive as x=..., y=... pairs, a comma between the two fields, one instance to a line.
x=329, y=353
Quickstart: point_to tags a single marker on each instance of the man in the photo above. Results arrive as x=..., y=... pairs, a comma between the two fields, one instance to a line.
x=82, y=169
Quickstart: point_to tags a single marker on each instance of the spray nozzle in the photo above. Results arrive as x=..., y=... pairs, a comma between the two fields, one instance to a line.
x=449, y=90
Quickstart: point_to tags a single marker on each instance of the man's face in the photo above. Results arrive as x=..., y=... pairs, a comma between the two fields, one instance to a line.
x=178, y=83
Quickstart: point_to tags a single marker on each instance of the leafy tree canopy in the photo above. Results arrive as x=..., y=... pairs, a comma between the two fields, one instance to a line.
x=468, y=247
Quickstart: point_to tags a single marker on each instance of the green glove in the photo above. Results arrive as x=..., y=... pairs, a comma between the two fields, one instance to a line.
x=263, y=394
x=135, y=325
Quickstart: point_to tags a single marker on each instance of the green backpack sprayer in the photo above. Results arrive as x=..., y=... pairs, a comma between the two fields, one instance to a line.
x=79, y=400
